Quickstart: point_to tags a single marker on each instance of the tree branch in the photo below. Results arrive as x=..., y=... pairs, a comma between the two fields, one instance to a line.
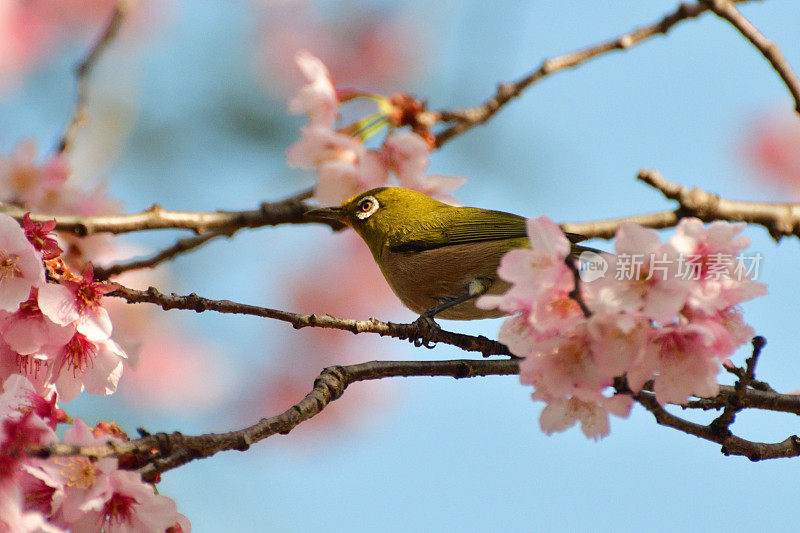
x=162, y=451
x=467, y=118
x=780, y=219
x=412, y=332
x=731, y=444
x=726, y=10
x=84, y=70
x=289, y=211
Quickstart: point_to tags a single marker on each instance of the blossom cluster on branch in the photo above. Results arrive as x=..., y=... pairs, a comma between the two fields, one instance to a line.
x=344, y=164
x=55, y=342
x=661, y=311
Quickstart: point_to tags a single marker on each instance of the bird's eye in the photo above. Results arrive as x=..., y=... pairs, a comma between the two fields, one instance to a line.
x=366, y=207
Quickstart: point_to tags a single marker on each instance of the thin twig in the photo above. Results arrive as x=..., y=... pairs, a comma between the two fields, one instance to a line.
x=412, y=332
x=730, y=444
x=180, y=247
x=575, y=293
x=780, y=219
x=723, y=422
x=467, y=118
x=84, y=70
x=726, y=10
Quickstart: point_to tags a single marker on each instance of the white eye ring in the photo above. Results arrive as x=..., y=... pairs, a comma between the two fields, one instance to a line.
x=366, y=206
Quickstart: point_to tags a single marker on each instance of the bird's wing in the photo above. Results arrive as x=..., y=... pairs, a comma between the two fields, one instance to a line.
x=458, y=226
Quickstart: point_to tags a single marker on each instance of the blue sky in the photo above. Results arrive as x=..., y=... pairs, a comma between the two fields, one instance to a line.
x=443, y=454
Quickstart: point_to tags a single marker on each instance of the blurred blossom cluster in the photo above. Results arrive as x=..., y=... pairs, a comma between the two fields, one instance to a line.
x=772, y=148
x=343, y=163
x=365, y=45
x=31, y=29
x=661, y=326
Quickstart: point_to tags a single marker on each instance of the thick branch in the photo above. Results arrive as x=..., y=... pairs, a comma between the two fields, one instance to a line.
x=289, y=211
x=467, y=118
x=84, y=70
x=413, y=332
x=780, y=219
x=725, y=9
x=607, y=229
x=160, y=452
x=175, y=449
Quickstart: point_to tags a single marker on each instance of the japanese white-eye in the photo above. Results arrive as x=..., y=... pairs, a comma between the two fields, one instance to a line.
x=436, y=257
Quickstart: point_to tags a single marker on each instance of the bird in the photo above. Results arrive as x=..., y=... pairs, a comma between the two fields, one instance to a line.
x=437, y=258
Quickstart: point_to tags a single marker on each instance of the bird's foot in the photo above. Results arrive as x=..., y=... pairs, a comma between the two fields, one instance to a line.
x=427, y=327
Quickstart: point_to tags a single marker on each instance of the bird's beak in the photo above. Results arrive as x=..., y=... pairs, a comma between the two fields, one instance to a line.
x=328, y=213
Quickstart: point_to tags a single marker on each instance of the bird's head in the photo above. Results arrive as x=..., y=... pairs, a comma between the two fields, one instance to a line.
x=375, y=213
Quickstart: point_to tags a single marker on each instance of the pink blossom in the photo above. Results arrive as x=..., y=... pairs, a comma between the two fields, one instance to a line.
x=559, y=366
x=38, y=233
x=339, y=180
x=16, y=517
x=617, y=341
x=532, y=270
x=93, y=365
x=319, y=145
x=28, y=183
x=560, y=414
x=98, y=496
x=713, y=263
x=121, y=502
x=344, y=166
x=20, y=265
x=406, y=154
x=27, y=331
x=641, y=277
x=318, y=98
x=79, y=301
x=19, y=396
x=772, y=147
x=683, y=360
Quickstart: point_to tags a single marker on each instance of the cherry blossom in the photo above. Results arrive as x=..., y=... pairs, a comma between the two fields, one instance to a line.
x=684, y=362
x=560, y=415
x=99, y=496
x=650, y=323
x=642, y=277
x=318, y=98
x=78, y=300
x=345, y=167
x=27, y=331
x=533, y=271
x=38, y=233
x=406, y=154
x=20, y=265
x=93, y=365
x=26, y=182
x=712, y=261
x=16, y=518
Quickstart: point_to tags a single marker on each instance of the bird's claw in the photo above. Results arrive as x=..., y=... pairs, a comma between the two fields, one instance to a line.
x=427, y=327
